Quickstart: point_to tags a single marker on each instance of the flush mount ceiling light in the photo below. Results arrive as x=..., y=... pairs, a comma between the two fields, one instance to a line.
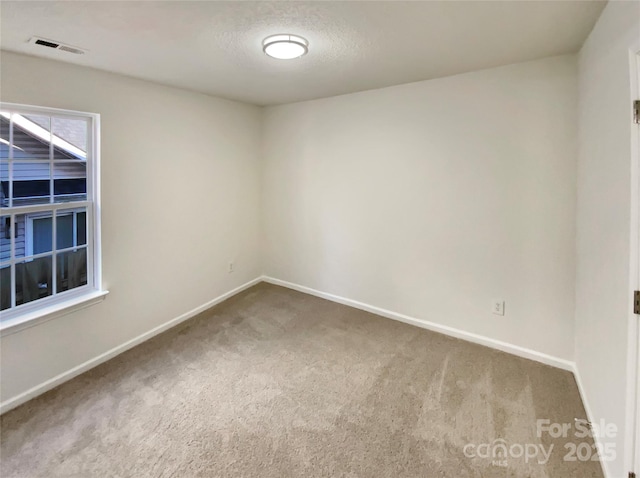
x=285, y=47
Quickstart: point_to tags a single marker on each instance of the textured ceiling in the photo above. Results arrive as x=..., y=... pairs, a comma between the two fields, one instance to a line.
x=215, y=47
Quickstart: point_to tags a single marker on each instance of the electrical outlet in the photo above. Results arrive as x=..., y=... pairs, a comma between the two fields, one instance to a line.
x=230, y=267
x=498, y=307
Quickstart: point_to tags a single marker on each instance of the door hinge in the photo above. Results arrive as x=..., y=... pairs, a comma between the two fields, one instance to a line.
x=636, y=302
x=636, y=111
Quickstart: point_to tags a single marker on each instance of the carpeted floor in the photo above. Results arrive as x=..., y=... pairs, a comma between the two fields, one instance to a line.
x=275, y=383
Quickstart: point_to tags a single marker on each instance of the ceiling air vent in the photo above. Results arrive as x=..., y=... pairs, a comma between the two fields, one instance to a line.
x=56, y=45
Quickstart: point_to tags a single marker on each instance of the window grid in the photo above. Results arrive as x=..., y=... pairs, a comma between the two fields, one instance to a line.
x=87, y=203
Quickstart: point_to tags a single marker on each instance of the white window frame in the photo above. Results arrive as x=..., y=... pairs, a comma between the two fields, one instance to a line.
x=19, y=317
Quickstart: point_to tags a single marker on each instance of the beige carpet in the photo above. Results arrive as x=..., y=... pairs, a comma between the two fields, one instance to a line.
x=275, y=383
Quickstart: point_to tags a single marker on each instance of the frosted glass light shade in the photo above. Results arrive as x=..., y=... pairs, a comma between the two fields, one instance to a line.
x=285, y=47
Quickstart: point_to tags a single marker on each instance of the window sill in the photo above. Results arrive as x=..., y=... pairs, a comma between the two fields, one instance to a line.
x=24, y=321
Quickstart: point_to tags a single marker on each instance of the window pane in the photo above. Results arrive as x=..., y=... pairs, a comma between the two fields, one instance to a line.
x=5, y=287
x=31, y=183
x=33, y=280
x=69, y=138
x=31, y=136
x=64, y=231
x=70, y=181
x=71, y=228
x=71, y=269
x=4, y=134
x=5, y=238
x=34, y=234
x=81, y=228
x=41, y=235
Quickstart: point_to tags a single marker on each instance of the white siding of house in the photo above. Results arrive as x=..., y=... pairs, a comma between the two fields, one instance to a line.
x=34, y=171
x=5, y=243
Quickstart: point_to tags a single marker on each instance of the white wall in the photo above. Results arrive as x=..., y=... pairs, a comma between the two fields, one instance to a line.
x=604, y=204
x=180, y=199
x=431, y=199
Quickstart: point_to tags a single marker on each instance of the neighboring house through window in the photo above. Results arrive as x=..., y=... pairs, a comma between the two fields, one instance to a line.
x=49, y=223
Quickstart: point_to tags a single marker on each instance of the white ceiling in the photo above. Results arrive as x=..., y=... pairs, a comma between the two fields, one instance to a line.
x=215, y=47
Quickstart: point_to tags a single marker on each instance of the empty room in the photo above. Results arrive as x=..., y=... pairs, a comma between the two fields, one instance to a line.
x=361, y=239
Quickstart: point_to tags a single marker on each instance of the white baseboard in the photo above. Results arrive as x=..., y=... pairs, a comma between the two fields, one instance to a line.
x=89, y=364
x=425, y=324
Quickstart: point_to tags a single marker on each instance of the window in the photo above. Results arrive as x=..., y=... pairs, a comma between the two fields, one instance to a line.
x=49, y=214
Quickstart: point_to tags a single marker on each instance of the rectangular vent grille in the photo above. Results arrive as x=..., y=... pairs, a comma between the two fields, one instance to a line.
x=56, y=45
x=47, y=43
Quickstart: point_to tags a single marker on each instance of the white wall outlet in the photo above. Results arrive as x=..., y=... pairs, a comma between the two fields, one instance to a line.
x=498, y=307
x=230, y=267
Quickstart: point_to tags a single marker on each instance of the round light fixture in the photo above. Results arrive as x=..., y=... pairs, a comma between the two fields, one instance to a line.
x=285, y=47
